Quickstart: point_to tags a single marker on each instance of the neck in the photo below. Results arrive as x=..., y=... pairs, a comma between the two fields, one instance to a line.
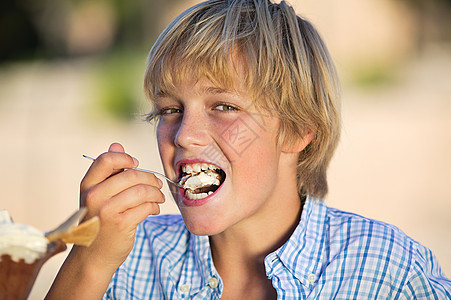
x=248, y=242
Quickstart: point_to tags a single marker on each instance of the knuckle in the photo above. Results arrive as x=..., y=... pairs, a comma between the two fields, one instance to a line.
x=141, y=190
x=131, y=175
x=103, y=214
x=105, y=158
x=90, y=197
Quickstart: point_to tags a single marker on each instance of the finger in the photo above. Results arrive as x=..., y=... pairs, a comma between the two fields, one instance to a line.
x=96, y=195
x=139, y=213
x=106, y=165
x=119, y=182
x=132, y=197
x=116, y=147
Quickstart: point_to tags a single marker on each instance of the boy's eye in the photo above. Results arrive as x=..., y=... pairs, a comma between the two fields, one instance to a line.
x=170, y=110
x=225, y=107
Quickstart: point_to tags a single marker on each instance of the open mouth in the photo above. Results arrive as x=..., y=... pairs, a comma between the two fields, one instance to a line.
x=200, y=180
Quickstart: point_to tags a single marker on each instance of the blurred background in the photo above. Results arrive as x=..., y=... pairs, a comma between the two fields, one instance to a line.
x=71, y=83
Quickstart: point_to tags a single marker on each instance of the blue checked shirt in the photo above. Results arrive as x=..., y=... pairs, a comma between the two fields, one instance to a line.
x=331, y=255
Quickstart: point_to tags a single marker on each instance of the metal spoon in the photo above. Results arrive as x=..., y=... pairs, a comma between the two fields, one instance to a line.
x=144, y=170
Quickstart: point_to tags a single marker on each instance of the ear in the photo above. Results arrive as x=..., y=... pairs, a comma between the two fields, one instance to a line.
x=300, y=143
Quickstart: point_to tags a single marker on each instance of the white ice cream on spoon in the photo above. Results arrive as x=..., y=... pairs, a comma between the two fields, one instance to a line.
x=200, y=180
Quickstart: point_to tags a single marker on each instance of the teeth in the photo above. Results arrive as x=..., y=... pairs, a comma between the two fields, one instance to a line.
x=187, y=169
x=190, y=195
x=196, y=168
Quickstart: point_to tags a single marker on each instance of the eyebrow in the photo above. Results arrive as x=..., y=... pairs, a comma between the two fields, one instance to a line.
x=216, y=90
x=163, y=94
x=208, y=90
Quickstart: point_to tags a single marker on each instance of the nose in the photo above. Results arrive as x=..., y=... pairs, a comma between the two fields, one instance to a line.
x=192, y=131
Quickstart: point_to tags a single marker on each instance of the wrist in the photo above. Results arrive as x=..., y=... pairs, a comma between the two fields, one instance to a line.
x=92, y=267
x=82, y=276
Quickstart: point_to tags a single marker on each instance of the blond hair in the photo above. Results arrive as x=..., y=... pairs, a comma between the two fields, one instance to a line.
x=288, y=70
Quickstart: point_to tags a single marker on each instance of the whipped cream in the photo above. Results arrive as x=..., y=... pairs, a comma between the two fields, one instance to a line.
x=200, y=180
x=20, y=241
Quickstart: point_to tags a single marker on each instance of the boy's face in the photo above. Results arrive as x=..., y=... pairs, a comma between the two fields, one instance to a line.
x=204, y=126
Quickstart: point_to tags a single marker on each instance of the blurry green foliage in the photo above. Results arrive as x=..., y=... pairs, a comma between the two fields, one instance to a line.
x=118, y=84
x=373, y=76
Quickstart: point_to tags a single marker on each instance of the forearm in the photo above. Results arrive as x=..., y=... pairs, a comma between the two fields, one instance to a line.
x=80, y=278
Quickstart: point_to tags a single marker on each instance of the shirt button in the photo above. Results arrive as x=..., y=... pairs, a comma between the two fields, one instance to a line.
x=184, y=288
x=311, y=278
x=213, y=282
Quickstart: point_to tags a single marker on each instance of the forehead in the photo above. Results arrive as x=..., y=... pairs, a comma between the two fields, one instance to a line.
x=200, y=86
x=211, y=77
x=223, y=69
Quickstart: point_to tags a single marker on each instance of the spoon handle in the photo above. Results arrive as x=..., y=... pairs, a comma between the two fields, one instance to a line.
x=144, y=170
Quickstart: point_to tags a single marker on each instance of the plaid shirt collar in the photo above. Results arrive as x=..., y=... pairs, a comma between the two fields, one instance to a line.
x=302, y=255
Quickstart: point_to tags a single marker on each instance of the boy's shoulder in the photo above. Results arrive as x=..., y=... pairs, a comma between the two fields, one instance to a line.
x=345, y=224
x=349, y=231
x=375, y=242
x=375, y=256
x=352, y=239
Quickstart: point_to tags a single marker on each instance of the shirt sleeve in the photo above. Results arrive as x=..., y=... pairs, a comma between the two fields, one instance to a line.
x=426, y=279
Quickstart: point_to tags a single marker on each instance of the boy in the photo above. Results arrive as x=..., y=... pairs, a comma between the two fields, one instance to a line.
x=246, y=99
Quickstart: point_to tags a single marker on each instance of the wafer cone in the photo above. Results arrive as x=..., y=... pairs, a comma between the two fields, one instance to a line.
x=82, y=235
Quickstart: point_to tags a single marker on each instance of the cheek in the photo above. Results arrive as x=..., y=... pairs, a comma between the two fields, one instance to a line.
x=164, y=132
x=163, y=141
x=256, y=167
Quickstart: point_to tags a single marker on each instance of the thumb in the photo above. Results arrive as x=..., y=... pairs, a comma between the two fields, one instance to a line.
x=116, y=147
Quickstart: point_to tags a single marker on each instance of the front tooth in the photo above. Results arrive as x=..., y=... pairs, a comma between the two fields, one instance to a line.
x=203, y=195
x=188, y=169
x=196, y=168
x=204, y=167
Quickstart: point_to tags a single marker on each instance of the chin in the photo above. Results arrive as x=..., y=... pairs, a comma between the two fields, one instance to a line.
x=201, y=223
